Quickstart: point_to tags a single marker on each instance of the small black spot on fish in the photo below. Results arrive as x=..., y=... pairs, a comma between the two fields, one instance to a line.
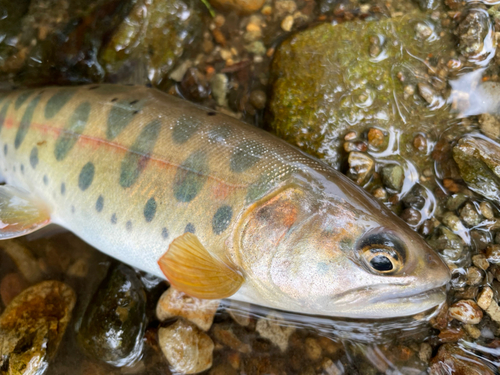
x=25, y=123
x=190, y=177
x=189, y=228
x=63, y=188
x=5, y=149
x=150, y=210
x=57, y=101
x=245, y=155
x=164, y=233
x=72, y=131
x=114, y=100
x=45, y=179
x=86, y=176
x=128, y=225
x=22, y=168
x=99, y=204
x=113, y=219
x=94, y=87
x=221, y=219
x=34, y=157
x=136, y=159
x=134, y=102
x=184, y=128
x=211, y=113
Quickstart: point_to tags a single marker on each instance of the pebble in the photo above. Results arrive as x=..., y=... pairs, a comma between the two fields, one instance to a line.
x=393, y=176
x=450, y=359
x=11, y=285
x=486, y=210
x=287, y=23
x=493, y=311
x=466, y=311
x=480, y=261
x=219, y=87
x=455, y=201
x=330, y=368
x=452, y=221
x=187, y=348
x=32, y=326
x=227, y=337
x=198, y=311
x=427, y=92
x=258, y=99
x=420, y=143
x=240, y=6
x=485, y=297
x=411, y=216
x=79, y=268
x=469, y=215
x=490, y=126
x=473, y=276
x=240, y=313
x=472, y=330
x=24, y=260
x=313, y=349
x=425, y=352
x=361, y=167
x=375, y=137
x=272, y=328
x=380, y=193
x=493, y=254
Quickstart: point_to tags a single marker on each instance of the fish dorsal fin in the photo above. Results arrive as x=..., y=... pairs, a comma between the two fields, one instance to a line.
x=190, y=268
x=20, y=213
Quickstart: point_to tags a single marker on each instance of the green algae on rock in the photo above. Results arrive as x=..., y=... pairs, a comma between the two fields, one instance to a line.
x=355, y=75
x=479, y=162
x=151, y=39
x=32, y=326
x=113, y=325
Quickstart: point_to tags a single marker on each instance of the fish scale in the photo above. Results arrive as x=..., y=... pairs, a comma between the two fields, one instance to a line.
x=165, y=185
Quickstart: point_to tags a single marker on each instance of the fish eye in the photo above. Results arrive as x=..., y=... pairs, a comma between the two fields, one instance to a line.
x=383, y=253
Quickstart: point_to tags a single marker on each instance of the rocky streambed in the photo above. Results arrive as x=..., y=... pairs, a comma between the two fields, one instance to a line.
x=401, y=96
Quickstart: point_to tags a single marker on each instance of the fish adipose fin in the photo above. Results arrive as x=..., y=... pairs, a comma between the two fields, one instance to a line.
x=190, y=268
x=20, y=213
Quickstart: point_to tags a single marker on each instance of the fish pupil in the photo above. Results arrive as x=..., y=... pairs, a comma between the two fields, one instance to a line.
x=381, y=263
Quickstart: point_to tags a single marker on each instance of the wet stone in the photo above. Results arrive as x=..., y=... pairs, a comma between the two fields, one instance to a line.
x=194, y=85
x=490, y=125
x=240, y=6
x=466, y=311
x=226, y=336
x=415, y=198
x=479, y=164
x=32, y=326
x=480, y=261
x=313, y=349
x=493, y=311
x=480, y=238
x=198, y=311
x=361, y=167
x=469, y=215
x=393, y=176
x=486, y=210
x=188, y=349
x=113, y=325
x=473, y=276
x=273, y=328
x=455, y=201
x=411, y=216
x=447, y=243
x=485, y=297
x=493, y=254
x=450, y=359
x=473, y=32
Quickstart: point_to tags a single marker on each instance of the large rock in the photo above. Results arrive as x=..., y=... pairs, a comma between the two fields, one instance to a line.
x=113, y=326
x=32, y=326
x=356, y=75
x=479, y=163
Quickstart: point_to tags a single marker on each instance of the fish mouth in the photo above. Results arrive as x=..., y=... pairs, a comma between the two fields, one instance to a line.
x=388, y=301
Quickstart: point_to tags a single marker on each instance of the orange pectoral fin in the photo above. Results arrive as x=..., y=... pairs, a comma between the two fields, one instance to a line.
x=20, y=213
x=190, y=268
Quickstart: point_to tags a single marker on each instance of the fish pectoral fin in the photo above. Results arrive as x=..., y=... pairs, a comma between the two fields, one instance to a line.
x=20, y=213
x=191, y=269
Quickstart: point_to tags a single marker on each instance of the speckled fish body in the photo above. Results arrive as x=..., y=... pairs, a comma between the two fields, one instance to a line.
x=130, y=170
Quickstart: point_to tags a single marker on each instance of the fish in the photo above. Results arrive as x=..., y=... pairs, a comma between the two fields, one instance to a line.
x=219, y=208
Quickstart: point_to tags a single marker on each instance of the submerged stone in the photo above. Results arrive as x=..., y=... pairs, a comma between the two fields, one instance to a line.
x=151, y=39
x=113, y=325
x=324, y=86
x=479, y=162
x=32, y=326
